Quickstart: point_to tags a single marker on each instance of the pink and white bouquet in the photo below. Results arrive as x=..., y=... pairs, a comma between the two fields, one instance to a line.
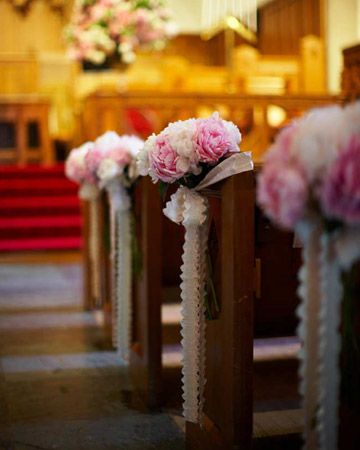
x=75, y=165
x=113, y=157
x=313, y=168
x=195, y=153
x=101, y=28
x=310, y=183
x=185, y=151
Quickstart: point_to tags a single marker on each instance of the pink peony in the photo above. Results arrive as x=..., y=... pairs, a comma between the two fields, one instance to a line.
x=282, y=192
x=120, y=155
x=213, y=140
x=340, y=192
x=110, y=145
x=92, y=160
x=75, y=167
x=164, y=161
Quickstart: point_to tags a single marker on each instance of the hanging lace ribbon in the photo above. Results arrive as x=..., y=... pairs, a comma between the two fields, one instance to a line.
x=308, y=328
x=330, y=344
x=324, y=256
x=90, y=193
x=120, y=238
x=190, y=208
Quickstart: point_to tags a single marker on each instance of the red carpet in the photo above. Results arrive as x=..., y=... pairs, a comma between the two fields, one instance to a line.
x=39, y=210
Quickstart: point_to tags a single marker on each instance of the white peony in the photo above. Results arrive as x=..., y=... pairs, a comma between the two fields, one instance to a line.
x=233, y=130
x=107, y=141
x=132, y=143
x=143, y=155
x=75, y=162
x=108, y=170
x=181, y=137
x=318, y=139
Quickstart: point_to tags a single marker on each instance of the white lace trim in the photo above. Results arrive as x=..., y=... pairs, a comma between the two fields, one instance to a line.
x=320, y=290
x=120, y=239
x=308, y=330
x=190, y=208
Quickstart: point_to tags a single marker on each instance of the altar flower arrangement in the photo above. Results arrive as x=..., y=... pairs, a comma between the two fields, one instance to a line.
x=195, y=154
x=310, y=183
x=102, y=28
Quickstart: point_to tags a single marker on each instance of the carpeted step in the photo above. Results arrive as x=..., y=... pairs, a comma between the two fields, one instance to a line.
x=31, y=171
x=49, y=226
x=39, y=206
x=39, y=209
x=31, y=244
x=37, y=187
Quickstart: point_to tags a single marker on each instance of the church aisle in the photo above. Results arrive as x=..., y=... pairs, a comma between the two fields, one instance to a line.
x=61, y=385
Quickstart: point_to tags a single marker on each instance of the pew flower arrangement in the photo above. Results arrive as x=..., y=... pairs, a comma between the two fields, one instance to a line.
x=109, y=163
x=194, y=153
x=310, y=183
x=75, y=167
x=102, y=28
x=112, y=163
x=77, y=170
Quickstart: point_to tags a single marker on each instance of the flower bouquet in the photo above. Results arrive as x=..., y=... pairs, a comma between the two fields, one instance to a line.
x=194, y=153
x=77, y=170
x=109, y=163
x=310, y=183
x=100, y=29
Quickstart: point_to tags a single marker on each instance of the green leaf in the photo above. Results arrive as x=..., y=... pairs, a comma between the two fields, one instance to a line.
x=163, y=188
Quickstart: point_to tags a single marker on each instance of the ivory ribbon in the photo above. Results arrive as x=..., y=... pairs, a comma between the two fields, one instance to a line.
x=190, y=208
x=330, y=344
x=324, y=257
x=120, y=237
x=90, y=193
x=307, y=331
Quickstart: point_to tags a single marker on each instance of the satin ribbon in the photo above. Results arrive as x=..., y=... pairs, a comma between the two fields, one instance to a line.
x=320, y=291
x=189, y=208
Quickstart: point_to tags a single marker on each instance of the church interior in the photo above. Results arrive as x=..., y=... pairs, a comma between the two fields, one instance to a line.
x=174, y=312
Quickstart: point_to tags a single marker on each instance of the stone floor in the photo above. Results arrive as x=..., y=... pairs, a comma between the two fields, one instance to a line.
x=61, y=386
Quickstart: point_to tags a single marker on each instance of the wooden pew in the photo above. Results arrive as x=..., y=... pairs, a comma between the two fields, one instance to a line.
x=239, y=235
x=90, y=300
x=145, y=355
x=229, y=348
x=160, y=243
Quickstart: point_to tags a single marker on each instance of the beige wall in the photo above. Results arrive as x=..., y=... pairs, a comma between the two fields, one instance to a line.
x=40, y=30
x=343, y=30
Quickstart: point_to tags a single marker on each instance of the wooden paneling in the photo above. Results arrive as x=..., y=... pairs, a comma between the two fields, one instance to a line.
x=282, y=23
x=41, y=30
x=21, y=112
x=351, y=73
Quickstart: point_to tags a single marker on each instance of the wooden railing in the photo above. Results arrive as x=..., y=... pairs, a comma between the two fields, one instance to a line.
x=147, y=112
